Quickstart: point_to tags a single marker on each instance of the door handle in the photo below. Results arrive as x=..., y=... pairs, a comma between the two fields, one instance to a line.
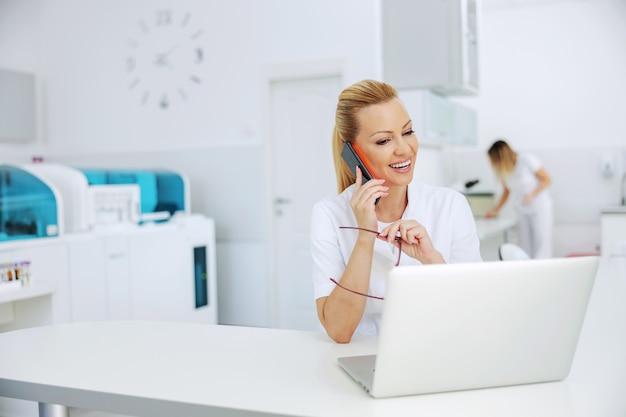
x=280, y=200
x=278, y=203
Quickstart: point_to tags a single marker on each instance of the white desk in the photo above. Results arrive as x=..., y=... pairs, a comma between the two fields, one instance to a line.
x=168, y=369
x=492, y=233
x=494, y=227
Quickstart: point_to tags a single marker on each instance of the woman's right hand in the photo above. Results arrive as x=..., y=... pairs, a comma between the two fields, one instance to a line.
x=491, y=213
x=363, y=201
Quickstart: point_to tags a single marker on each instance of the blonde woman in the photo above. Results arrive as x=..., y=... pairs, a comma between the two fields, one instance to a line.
x=525, y=181
x=355, y=241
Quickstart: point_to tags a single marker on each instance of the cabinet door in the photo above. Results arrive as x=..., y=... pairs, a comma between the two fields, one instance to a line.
x=465, y=125
x=161, y=274
x=87, y=274
x=168, y=266
x=469, y=41
x=431, y=44
x=439, y=121
x=440, y=118
x=117, y=266
x=613, y=234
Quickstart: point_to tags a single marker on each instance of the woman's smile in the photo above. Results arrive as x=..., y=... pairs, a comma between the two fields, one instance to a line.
x=404, y=166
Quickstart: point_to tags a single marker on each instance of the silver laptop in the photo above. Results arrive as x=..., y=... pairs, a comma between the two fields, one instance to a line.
x=476, y=325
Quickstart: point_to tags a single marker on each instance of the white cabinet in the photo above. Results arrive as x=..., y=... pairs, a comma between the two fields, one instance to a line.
x=48, y=297
x=431, y=44
x=88, y=277
x=172, y=273
x=155, y=272
x=163, y=271
x=614, y=231
x=465, y=125
x=438, y=120
x=99, y=276
x=117, y=257
x=18, y=122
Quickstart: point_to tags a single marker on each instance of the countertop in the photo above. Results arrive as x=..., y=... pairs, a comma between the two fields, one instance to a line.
x=493, y=227
x=162, y=369
x=614, y=209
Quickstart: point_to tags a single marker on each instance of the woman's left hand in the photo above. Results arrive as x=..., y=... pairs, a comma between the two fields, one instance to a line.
x=528, y=199
x=416, y=242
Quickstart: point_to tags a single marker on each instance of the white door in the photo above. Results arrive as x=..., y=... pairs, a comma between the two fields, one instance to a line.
x=302, y=120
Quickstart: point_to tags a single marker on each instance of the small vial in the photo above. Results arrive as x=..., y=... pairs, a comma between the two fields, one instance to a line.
x=25, y=275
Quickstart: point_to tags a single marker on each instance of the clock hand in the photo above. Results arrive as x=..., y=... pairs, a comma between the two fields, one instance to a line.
x=162, y=58
x=169, y=51
x=161, y=61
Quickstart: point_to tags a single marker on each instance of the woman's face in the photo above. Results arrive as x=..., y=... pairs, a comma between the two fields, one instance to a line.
x=387, y=142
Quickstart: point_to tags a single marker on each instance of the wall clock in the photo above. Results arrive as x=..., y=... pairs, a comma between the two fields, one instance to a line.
x=164, y=59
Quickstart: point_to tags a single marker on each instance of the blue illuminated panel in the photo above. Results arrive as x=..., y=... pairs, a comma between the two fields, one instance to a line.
x=200, y=276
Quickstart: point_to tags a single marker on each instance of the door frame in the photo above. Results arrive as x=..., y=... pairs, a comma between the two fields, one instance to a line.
x=273, y=73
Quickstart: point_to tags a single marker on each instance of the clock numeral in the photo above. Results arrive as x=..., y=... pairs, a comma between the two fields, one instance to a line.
x=130, y=64
x=185, y=20
x=164, y=103
x=133, y=83
x=197, y=34
x=143, y=26
x=195, y=79
x=182, y=93
x=144, y=98
x=199, y=55
x=163, y=17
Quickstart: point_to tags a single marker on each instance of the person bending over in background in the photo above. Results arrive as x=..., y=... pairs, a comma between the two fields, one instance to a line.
x=525, y=180
x=428, y=224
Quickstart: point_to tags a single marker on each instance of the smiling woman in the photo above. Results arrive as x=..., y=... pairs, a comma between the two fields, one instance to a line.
x=428, y=224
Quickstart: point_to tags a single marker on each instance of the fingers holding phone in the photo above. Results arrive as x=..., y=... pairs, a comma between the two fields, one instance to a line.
x=365, y=197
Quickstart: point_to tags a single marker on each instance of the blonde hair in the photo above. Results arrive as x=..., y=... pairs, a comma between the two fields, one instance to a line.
x=502, y=158
x=352, y=100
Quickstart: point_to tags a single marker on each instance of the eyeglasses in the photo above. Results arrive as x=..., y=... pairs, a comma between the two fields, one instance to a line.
x=398, y=239
x=355, y=292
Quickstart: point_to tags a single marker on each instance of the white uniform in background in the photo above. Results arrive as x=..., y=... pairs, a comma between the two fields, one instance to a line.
x=444, y=213
x=535, y=219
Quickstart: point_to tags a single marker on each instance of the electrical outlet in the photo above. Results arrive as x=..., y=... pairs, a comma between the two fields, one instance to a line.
x=607, y=165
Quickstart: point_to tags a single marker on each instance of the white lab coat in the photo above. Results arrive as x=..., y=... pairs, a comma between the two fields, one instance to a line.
x=444, y=213
x=535, y=219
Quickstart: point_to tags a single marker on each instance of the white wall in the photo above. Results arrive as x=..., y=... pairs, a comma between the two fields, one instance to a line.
x=79, y=50
x=551, y=81
x=89, y=117
x=552, y=75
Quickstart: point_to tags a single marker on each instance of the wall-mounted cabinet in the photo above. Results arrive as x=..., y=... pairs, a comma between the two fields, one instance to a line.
x=465, y=125
x=17, y=106
x=431, y=44
x=440, y=121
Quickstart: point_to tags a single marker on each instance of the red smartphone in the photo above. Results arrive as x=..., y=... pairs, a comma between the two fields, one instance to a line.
x=352, y=158
x=350, y=154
